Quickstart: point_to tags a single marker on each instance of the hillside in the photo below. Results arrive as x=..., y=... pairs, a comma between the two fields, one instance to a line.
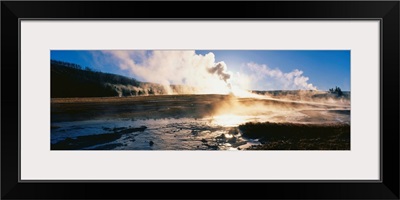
x=305, y=95
x=71, y=80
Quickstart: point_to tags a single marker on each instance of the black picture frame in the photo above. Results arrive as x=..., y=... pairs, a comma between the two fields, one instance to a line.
x=386, y=11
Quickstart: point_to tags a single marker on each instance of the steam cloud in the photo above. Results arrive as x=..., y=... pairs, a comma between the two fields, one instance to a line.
x=176, y=67
x=202, y=72
x=293, y=80
x=220, y=70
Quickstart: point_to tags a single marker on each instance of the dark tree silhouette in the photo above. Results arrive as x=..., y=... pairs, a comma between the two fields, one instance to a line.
x=336, y=91
x=71, y=80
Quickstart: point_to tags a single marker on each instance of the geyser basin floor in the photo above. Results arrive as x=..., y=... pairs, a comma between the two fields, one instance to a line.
x=184, y=122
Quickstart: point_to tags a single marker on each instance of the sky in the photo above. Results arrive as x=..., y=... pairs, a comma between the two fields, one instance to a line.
x=247, y=69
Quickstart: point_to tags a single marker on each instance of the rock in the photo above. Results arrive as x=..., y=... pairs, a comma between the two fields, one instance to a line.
x=221, y=138
x=234, y=131
x=195, y=132
x=204, y=140
x=151, y=143
x=232, y=140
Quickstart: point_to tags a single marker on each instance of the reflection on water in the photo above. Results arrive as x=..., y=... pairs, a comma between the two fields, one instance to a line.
x=209, y=133
x=185, y=122
x=165, y=134
x=232, y=120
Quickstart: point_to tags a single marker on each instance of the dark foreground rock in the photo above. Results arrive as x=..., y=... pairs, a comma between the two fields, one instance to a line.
x=290, y=136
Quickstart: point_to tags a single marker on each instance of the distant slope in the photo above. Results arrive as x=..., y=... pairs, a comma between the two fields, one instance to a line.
x=298, y=95
x=70, y=80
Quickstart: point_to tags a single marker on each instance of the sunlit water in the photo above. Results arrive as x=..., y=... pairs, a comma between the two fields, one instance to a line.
x=166, y=134
x=212, y=133
x=172, y=122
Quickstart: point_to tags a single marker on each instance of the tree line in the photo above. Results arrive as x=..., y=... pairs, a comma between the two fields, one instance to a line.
x=72, y=80
x=71, y=65
x=336, y=91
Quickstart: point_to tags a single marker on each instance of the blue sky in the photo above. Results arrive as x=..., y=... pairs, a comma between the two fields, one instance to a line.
x=323, y=68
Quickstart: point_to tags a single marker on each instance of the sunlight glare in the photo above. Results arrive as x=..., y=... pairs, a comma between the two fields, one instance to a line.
x=229, y=120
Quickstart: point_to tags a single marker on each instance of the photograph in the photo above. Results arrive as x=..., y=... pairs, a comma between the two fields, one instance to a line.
x=200, y=100
x=103, y=97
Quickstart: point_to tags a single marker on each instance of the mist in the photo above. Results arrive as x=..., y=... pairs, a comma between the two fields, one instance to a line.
x=203, y=72
x=176, y=68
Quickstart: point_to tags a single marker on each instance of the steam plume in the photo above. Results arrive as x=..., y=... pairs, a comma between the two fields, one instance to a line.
x=176, y=67
x=220, y=70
